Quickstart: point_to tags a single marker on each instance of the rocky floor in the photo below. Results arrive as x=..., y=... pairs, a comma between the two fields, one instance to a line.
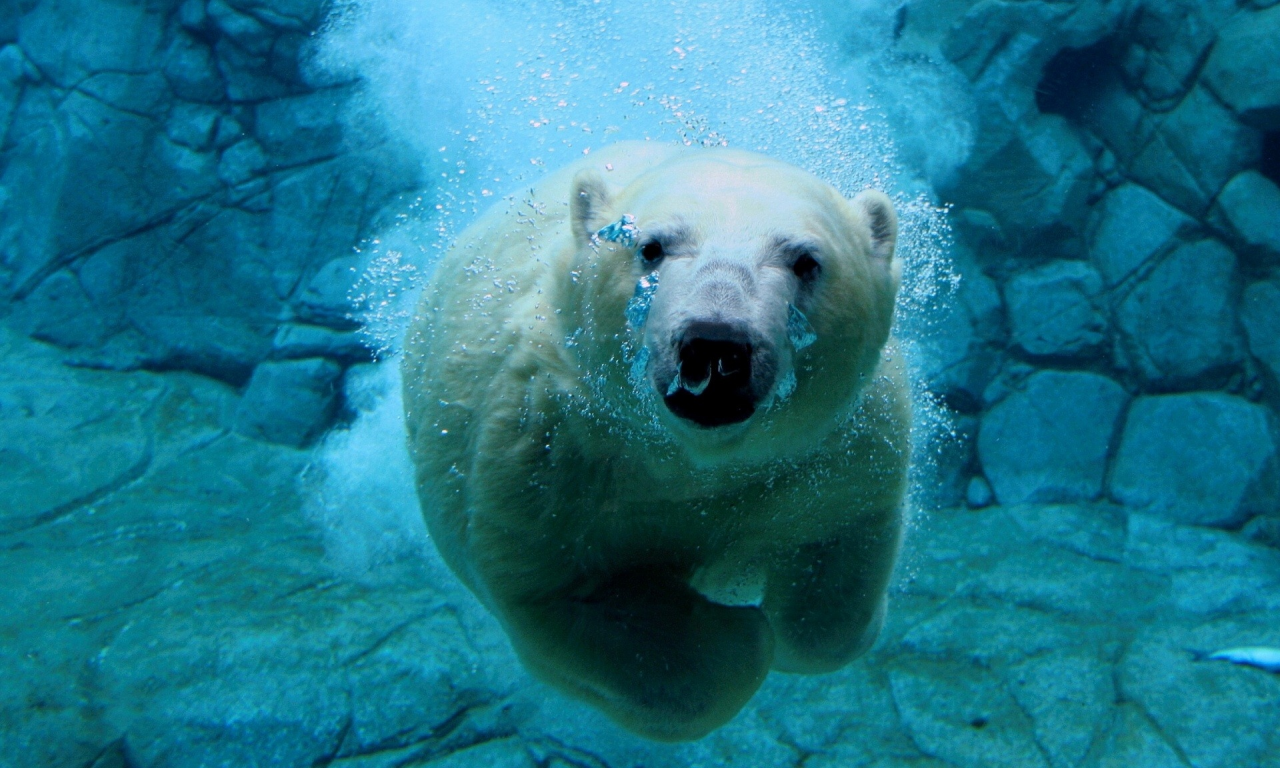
x=168, y=603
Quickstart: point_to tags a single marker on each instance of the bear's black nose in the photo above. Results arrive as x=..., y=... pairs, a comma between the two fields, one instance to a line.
x=704, y=360
x=713, y=384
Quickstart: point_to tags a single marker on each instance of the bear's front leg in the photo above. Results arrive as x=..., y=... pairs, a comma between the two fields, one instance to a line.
x=826, y=600
x=653, y=654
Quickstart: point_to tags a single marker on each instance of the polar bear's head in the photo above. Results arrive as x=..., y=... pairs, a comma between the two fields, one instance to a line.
x=755, y=296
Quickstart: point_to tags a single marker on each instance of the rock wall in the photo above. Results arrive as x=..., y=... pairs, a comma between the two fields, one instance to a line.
x=178, y=191
x=1118, y=231
x=170, y=602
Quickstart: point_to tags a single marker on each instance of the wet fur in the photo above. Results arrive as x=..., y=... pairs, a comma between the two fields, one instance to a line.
x=584, y=526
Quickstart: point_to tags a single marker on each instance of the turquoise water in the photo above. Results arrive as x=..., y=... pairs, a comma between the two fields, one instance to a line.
x=217, y=219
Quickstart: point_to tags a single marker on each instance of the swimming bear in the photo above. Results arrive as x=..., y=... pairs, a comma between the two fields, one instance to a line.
x=660, y=429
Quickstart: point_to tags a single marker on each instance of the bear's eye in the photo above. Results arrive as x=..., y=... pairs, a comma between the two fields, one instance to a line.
x=652, y=252
x=806, y=267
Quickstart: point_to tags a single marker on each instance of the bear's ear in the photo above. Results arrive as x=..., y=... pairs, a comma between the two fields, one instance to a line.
x=876, y=208
x=588, y=204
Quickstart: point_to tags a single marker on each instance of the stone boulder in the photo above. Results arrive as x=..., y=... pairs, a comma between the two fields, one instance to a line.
x=978, y=493
x=176, y=562
x=70, y=40
x=1049, y=441
x=44, y=473
x=61, y=312
x=302, y=129
x=1003, y=47
x=241, y=162
x=1177, y=327
x=946, y=463
x=958, y=352
x=295, y=341
x=1263, y=529
x=1057, y=310
x=15, y=72
x=1036, y=182
x=1195, y=150
x=1244, y=71
x=289, y=402
x=1028, y=168
x=1167, y=43
x=1113, y=113
x=1203, y=458
x=1248, y=210
x=191, y=68
x=1129, y=228
x=327, y=297
x=163, y=223
x=1260, y=316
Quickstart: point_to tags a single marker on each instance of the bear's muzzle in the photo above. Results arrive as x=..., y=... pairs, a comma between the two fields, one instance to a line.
x=714, y=384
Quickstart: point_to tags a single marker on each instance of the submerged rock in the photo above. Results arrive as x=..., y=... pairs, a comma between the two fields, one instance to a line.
x=1195, y=150
x=44, y=474
x=1263, y=529
x=297, y=341
x=1260, y=316
x=1204, y=458
x=1168, y=41
x=60, y=311
x=192, y=71
x=1129, y=228
x=1248, y=208
x=978, y=493
x=950, y=465
x=1156, y=672
x=1243, y=72
x=1036, y=183
x=301, y=129
x=1177, y=327
x=187, y=219
x=289, y=402
x=1056, y=310
x=1049, y=442
x=1113, y=113
x=190, y=613
x=326, y=300
x=959, y=354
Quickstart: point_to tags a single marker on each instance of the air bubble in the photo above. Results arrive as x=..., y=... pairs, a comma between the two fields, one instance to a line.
x=640, y=368
x=623, y=231
x=419, y=62
x=799, y=330
x=638, y=307
x=786, y=386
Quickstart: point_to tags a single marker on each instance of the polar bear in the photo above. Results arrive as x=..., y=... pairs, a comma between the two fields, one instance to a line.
x=659, y=428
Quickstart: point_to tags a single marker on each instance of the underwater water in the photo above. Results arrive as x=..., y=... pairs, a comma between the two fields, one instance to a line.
x=217, y=217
